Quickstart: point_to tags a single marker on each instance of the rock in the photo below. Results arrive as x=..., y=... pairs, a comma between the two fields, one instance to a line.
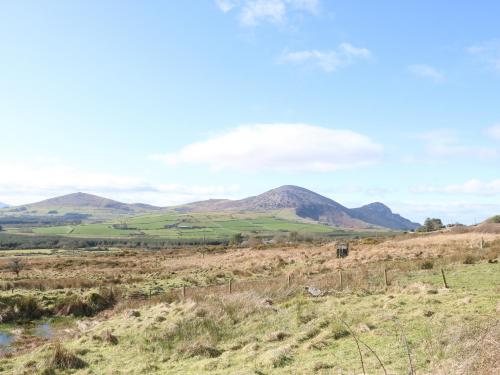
x=315, y=292
x=81, y=325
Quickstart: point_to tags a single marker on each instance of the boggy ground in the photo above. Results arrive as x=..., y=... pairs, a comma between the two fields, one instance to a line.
x=271, y=327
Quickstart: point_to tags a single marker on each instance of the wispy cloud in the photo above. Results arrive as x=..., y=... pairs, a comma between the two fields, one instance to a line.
x=452, y=211
x=474, y=187
x=226, y=5
x=253, y=12
x=494, y=131
x=487, y=53
x=328, y=60
x=443, y=143
x=292, y=147
x=25, y=182
x=426, y=71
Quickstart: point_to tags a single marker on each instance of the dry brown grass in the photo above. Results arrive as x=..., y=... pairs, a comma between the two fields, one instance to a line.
x=252, y=268
x=474, y=349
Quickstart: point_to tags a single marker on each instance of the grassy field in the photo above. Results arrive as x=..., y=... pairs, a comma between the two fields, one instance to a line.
x=265, y=326
x=209, y=226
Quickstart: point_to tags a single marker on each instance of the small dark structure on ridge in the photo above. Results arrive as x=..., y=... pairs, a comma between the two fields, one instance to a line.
x=342, y=250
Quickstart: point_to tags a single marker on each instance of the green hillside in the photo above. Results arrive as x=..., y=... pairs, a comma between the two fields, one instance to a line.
x=211, y=226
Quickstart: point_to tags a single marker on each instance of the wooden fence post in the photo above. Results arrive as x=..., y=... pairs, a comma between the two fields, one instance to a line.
x=385, y=278
x=289, y=280
x=340, y=279
x=444, y=279
x=150, y=294
x=230, y=286
x=481, y=244
x=183, y=291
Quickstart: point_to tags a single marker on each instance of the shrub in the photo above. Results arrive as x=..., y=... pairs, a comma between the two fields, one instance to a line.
x=427, y=265
x=470, y=259
x=97, y=302
x=19, y=307
x=495, y=219
x=236, y=239
x=16, y=266
x=28, y=308
x=71, y=305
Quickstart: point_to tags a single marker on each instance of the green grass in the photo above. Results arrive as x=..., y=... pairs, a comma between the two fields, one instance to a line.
x=196, y=226
x=299, y=335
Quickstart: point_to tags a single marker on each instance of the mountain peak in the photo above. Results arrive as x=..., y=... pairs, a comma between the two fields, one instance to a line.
x=378, y=207
x=80, y=200
x=379, y=214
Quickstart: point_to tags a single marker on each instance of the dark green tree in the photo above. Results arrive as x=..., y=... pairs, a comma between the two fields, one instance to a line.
x=236, y=239
x=431, y=225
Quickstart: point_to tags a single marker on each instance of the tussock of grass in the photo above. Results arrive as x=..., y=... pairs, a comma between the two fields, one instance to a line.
x=62, y=359
x=200, y=349
x=108, y=337
x=278, y=357
x=276, y=336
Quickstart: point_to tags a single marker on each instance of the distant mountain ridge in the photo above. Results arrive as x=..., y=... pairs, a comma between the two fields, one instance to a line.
x=305, y=203
x=379, y=214
x=89, y=201
x=3, y=205
x=311, y=205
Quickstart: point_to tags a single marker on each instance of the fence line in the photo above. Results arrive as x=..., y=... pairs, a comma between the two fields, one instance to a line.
x=334, y=281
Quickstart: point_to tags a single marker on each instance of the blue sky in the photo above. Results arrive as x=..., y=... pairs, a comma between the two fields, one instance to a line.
x=170, y=102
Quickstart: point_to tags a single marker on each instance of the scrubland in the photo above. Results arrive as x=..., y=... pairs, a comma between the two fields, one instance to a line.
x=126, y=312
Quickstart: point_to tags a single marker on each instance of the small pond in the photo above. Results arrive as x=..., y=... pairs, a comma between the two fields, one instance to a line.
x=5, y=341
x=42, y=330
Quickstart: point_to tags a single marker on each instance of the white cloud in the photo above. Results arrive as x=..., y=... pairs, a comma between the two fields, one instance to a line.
x=426, y=71
x=449, y=211
x=473, y=187
x=487, y=53
x=494, y=131
x=24, y=182
x=226, y=5
x=271, y=10
x=253, y=12
x=292, y=147
x=443, y=143
x=328, y=60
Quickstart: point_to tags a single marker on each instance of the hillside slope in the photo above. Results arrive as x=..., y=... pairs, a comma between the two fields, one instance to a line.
x=311, y=205
x=80, y=203
x=379, y=214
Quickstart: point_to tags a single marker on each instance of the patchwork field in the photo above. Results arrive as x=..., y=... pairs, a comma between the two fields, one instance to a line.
x=197, y=226
x=245, y=310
